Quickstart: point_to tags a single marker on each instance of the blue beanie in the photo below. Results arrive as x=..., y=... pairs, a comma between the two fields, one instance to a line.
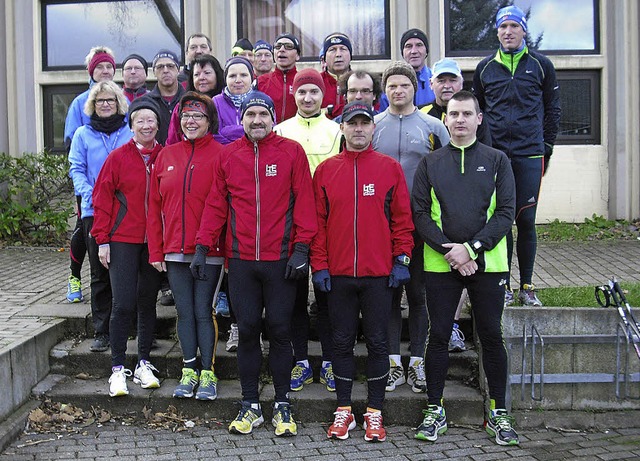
x=511, y=13
x=262, y=45
x=258, y=98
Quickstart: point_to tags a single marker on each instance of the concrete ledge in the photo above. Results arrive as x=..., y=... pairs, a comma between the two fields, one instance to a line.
x=11, y=427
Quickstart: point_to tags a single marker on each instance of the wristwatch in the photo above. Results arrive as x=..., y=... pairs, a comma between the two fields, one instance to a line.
x=476, y=245
x=404, y=260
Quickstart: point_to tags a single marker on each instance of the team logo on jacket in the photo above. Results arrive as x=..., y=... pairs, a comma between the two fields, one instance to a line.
x=368, y=190
x=272, y=170
x=170, y=168
x=481, y=168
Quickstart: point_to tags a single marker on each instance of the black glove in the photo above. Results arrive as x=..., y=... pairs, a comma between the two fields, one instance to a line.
x=298, y=264
x=199, y=262
x=322, y=280
x=548, y=151
x=399, y=275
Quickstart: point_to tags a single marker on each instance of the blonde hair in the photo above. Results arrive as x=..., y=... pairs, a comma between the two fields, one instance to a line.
x=109, y=87
x=95, y=50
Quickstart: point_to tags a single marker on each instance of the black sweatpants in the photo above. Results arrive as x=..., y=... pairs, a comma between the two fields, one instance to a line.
x=300, y=323
x=100, y=283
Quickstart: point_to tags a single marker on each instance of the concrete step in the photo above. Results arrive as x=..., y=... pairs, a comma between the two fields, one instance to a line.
x=311, y=405
x=72, y=357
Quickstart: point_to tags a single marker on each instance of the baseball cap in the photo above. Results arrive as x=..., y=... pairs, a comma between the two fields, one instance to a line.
x=446, y=66
x=356, y=108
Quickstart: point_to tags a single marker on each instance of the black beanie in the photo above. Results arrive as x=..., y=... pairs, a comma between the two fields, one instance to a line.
x=143, y=103
x=143, y=61
x=414, y=33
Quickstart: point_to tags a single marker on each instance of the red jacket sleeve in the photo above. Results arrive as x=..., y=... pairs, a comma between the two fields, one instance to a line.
x=154, y=217
x=216, y=207
x=319, y=259
x=103, y=197
x=401, y=219
x=304, y=216
x=175, y=130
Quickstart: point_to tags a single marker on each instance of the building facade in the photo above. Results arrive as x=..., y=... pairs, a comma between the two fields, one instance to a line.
x=594, y=45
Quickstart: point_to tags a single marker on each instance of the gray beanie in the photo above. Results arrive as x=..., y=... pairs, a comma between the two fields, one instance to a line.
x=400, y=68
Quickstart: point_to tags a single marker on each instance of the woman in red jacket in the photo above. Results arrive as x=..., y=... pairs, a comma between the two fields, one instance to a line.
x=181, y=179
x=120, y=198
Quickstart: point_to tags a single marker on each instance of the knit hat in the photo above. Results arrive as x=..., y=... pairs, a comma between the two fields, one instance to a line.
x=511, y=13
x=258, y=98
x=356, y=108
x=137, y=57
x=400, y=68
x=166, y=54
x=238, y=60
x=99, y=58
x=446, y=66
x=243, y=44
x=143, y=103
x=336, y=39
x=308, y=75
x=291, y=37
x=414, y=33
x=262, y=45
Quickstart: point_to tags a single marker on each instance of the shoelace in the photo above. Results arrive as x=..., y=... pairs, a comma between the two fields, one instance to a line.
x=341, y=418
x=188, y=378
x=430, y=417
x=206, y=380
x=297, y=371
x=75, y=285
x=503, y=422
x=420, y=374
x=458, y=334
x=233, y=333
x=123, y=371
x=375, y=420
x=285, y=413
x=329, y=373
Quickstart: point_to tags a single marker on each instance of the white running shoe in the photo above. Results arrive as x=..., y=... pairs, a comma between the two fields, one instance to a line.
x=118, y=381
x=144, y=375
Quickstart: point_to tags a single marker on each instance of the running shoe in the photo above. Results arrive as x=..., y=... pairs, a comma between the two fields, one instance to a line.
x=433, y=424
x=100, y=343
x=208, y=386
x=74, y=290
x=232, y=342
x=396, y=376
x=500, y=426
x=222, y=305
x=373, y=427
x=248, y=418
x=144, y=375
x=300, y=375
x=327, y=378
x=187, y=384
x=416, y=377
x=508, y=297
x=343, y=422
x=118, y=381
x=166, y=298
x=283, y=421
x=456, y=342
x=527, y=296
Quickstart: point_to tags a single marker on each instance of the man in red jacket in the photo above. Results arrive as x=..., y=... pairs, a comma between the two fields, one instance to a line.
x=278, y=84
x=358, y=256
x=262, y=193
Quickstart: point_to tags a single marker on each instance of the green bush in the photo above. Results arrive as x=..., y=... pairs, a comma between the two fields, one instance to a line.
x=36, y=199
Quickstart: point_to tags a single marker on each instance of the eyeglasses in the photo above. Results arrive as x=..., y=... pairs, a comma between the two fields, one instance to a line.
x=170, y=66
x=194, y=117
x=132, y=68
x=286, y=46
x=363, y=91
x=108, y=101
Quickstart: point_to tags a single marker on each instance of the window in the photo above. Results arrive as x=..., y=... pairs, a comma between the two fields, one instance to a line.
x=554, y=26
x=365, y=22
x=580, y=103
x=57, y=100
x=70, y=29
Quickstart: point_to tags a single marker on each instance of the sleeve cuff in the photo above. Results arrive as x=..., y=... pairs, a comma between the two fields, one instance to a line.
x=472, y=254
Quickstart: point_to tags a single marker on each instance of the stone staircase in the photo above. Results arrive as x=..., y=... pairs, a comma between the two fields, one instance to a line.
x=79, y=377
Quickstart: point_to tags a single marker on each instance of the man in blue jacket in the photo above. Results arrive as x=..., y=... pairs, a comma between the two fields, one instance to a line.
x=519, y=96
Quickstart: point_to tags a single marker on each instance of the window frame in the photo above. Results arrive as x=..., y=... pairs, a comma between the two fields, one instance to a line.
x=48, y=91
x=44, y=40
x=474, y=53
x=371, y=57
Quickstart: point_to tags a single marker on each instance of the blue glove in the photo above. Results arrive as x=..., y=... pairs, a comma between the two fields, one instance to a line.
x=322, y=280
x=199, y=262
x=399, y=275
x=298, y=264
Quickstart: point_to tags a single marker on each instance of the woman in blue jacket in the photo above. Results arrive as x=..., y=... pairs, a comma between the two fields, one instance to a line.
x=91, y=144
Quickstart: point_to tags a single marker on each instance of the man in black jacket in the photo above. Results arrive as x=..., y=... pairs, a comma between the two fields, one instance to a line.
x=518, y=93
x=463, y=200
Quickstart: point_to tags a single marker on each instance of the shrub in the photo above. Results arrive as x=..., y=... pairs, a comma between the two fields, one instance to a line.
x=36, y=199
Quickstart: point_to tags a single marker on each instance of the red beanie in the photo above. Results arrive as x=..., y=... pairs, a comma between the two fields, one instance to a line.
x=308, y=75
x=97, y=59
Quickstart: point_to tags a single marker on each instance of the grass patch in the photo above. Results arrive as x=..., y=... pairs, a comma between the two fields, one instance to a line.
x=584, y=296
x=596, y=228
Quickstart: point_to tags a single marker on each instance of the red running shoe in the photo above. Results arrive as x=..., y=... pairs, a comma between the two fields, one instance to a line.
x=373, y=427
x=342, y=424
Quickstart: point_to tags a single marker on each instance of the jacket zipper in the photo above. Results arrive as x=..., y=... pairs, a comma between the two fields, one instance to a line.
x=184, y=191
x=400, y=141
x=257, y=180
x=355, y=217
x=284, y=96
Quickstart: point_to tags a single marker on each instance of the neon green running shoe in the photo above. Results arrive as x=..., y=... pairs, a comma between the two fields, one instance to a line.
x=247, y=419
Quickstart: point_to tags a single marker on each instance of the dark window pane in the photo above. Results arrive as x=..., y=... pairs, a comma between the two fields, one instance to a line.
x=553, y=25
x=136, y=26
x=366, y=22
x=57, y=100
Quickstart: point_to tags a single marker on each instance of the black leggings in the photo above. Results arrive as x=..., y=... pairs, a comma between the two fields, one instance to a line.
x=527, y=172
x=349, y=297
x=252, y=285
x=300, y=323
x=135, y=284
x=100, y=283
x=77, y=247
x=486, y=292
